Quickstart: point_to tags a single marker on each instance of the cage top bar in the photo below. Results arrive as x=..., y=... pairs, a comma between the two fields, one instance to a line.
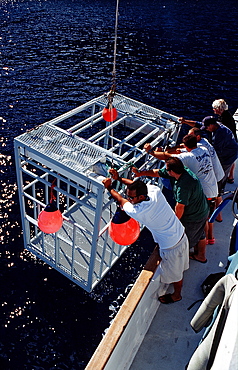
x=73, y=151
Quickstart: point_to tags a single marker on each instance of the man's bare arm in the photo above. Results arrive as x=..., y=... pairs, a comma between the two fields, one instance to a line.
x=115, y=176
x=159, y=154
x=187, y=122
x=149, y=173
x=108, y=185
x=179, y=210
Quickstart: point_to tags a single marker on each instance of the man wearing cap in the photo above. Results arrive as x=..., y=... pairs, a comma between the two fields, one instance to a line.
x=224, y=144
x=220, y=108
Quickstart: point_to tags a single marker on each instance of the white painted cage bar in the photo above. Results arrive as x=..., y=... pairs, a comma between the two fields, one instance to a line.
x=77, y=149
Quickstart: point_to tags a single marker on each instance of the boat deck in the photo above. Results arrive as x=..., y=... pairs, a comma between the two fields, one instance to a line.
x=170, y=341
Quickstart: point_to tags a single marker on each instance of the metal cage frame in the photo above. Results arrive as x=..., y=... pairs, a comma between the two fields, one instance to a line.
x=76, y=149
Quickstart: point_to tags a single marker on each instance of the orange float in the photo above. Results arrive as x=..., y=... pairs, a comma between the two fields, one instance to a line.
x=50, y=219
x=123, y=229
x=109, y=113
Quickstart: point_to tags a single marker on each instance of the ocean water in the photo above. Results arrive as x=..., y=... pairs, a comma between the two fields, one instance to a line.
x=176, y=55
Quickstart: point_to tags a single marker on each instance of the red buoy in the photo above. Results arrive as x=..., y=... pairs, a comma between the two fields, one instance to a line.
x=109, y=113
x=123, y=229
x=50, y=219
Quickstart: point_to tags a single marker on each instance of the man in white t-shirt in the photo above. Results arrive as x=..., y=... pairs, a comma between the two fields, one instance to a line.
x=147, y=204
x=198, y=160
x=218, y=171
x=201, y=141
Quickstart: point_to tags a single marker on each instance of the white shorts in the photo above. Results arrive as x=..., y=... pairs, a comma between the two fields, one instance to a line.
x=174, y=262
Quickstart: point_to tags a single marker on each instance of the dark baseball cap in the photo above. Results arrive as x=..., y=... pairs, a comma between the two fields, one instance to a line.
x=209, y=120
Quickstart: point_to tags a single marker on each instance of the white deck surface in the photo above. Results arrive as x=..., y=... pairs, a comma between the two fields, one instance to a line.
x=170, y=341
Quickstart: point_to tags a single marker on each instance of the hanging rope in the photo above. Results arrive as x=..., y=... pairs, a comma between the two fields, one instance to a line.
x=113, y=88
x=111, y=93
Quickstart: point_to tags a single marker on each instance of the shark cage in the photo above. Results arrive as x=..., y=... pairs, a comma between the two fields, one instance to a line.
x=74, y=151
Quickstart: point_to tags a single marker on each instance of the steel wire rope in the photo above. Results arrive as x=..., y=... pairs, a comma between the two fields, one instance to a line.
x=113, y=87
x=115, y=49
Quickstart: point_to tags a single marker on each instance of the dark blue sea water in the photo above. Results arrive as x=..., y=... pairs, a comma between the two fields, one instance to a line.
x=176, y=55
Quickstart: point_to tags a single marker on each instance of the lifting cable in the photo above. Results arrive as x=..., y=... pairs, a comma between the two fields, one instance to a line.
x=113, y=87
x=112, y=92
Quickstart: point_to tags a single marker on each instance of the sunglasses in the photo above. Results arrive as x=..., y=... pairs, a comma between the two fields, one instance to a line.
x=136, y=196
x=130, y=197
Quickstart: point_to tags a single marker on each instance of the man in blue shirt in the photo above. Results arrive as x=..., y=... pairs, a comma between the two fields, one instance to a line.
x=224, y=144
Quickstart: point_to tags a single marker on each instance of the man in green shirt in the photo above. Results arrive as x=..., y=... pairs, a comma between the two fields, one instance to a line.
x=191, y=204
